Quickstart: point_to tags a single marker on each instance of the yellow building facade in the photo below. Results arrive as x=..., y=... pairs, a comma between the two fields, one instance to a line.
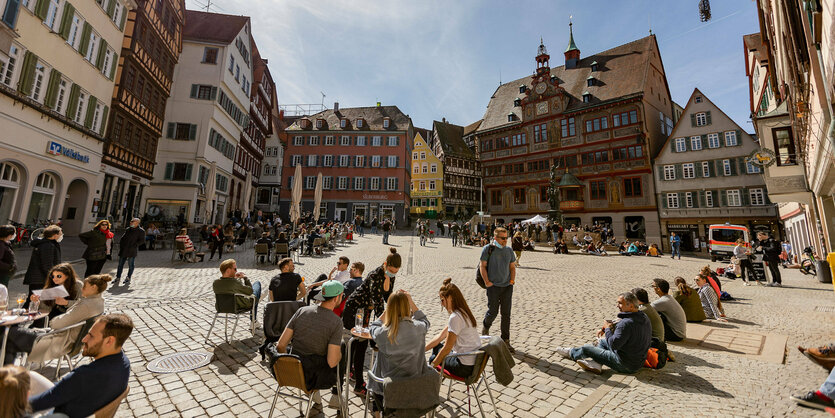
x=427, y=189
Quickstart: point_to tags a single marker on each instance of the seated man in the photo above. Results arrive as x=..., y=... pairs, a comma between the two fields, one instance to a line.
x=265, y=239
x=622, y=345
x=560, y=247
x=576, y=242
x=316, y=335
x=710, y=300
x=670, y=311
x=229, y=283
x=654, y=318
x=822, y=398
x=90, y=387
x=287, y=285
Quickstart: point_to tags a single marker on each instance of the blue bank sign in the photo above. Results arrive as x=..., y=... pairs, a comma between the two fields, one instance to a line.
x=56, y=148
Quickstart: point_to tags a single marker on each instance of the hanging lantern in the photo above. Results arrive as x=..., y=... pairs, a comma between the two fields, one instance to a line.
x=704, y=10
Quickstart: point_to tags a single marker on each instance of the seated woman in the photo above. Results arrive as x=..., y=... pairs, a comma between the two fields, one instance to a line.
x=459, y=336
x=576, y=241
x=188, y=253
x=623, y=248
x=653, y=251
x=55, y=346
x=633, y=249
x=560, y=247
x=529, y=245
x=401, y=338
x=601, y=250
x=243, y=233
x=587, y=238
x=689, y=300
x=60, y=275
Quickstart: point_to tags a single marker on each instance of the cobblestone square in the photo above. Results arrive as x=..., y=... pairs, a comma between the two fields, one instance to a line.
x=559, y=300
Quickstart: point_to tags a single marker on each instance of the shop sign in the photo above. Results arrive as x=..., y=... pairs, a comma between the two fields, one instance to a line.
x=375, y=196
x=55, y=148
x=762, y=157
x=682, y=226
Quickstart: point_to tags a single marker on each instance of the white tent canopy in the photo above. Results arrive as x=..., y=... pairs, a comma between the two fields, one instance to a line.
x=538, y=219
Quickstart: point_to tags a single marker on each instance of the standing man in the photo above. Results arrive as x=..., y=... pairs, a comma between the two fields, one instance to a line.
x=771, y=249
x=129, y=244
x=453, y=230
x=498, y=268
x=8, y=265
x=46, y=253
x=386, y=228
x=440, y=226
x=675, y=243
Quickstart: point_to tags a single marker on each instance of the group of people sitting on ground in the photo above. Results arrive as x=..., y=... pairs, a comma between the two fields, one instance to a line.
x=622, y=344
x=639, y=248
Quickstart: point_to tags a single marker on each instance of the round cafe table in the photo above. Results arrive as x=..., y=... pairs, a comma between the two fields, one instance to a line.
x=355, y=336
x=20, y=319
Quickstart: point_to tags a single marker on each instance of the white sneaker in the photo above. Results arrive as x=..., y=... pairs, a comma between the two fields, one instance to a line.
x=565, y=352
x=746, y=284
x=590, y=366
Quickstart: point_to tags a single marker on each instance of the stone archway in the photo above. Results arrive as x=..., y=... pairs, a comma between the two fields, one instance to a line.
x=75, y=207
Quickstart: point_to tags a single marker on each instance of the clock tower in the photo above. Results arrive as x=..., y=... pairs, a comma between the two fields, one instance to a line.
x=542, y=60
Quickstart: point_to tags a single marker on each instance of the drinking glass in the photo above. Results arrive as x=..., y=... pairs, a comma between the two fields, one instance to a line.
x=20, y=359
x=33, y=306
x=358, y=321
x=20, y=299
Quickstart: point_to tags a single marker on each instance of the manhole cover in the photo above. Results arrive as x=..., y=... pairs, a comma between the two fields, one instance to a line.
x=824, y=308
x=179, y=362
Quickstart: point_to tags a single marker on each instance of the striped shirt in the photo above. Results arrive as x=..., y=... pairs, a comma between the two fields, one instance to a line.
x=710, y=302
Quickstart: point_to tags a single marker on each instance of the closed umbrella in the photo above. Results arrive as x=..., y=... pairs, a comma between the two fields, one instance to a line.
x=296, y=198
x=247, y=192
x=211, y=190
x=317, y=198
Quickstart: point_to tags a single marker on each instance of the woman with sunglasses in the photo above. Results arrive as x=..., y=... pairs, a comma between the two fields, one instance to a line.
x=61, y=275
x=459, y=336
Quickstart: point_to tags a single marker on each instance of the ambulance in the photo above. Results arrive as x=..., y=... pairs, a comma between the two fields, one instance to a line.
x=722, y=240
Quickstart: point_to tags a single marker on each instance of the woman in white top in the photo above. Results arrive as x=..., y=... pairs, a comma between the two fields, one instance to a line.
x=459, y=336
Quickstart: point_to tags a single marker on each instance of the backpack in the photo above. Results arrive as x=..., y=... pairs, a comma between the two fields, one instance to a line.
x=656, y=355
x=725, y=296
x=478, y=279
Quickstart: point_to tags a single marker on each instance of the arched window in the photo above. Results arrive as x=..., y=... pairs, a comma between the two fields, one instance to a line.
x=9, y=184
x=43, y=193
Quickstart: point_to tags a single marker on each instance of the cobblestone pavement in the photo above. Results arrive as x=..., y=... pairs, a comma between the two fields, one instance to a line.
x=559, y=300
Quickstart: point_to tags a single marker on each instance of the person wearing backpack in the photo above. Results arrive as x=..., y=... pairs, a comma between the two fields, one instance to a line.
x=498, y=270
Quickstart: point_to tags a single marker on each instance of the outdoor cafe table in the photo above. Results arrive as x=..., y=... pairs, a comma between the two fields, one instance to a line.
x=19, y=320
x=355, y=336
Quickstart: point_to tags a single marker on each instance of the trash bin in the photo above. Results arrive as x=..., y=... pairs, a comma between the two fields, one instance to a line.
x=824, y=273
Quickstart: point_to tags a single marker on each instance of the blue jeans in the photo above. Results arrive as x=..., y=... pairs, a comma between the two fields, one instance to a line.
x=602, y=354
x=122, y=260
x=452, y=364
x=454, y=239
x=256, y=290
x=676, y=249
x=828, y=386
x=499, y=298
x=385, y=237
x=373, y=229
x=553, y=236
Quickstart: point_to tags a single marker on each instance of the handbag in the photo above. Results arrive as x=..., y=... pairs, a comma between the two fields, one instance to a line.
x=478, y=279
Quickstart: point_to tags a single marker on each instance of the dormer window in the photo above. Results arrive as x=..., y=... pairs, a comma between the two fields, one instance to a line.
x=554, y=79
x=594, y=66
x=359, y=123
x=386, y=123
x=586, y=97
x=698, y=99
x=305, y=123
x=517, y=103
x=319, y=123
x=590, y=81
x=343, y=123
x=511, y=117
x=523, y=88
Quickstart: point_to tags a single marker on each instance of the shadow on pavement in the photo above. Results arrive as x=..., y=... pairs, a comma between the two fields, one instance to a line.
x=229, y=358
x=684, y=359
x=680, y=380
x=119, y=290
x=741, y=321
x=558, y=370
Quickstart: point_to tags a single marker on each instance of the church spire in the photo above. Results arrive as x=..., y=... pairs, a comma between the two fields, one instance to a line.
x=542, y=59
x=572, y=53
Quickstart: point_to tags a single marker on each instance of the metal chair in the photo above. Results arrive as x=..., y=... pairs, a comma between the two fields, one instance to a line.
x=109, y=410
x=428, y=411
x=289, y=373
x=74, y=352
x=225, y=304
x=281, y=248
x=262, y=250
x=180, y=249
x=50, y=334
x=477, y=378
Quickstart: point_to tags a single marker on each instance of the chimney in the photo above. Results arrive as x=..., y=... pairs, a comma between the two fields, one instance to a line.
x=335, y=107
x=443, y=120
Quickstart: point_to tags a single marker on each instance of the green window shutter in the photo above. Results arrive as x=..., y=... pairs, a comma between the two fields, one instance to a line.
x=696, y=195
x=27, y=73
x=660, y=171
x=705, y=145
x=194, y=88
x=723, y=197
x=707, y=117
x=104, y=120
x=188, y=172
x=100, y=54
x=192, y=132
x=85, y=38
x=679, y=173
x=744, y=197
x=743, y=166
x=693, y=120
x=40, y=9
x=113, y=66
x=663, y=200
x=52, y=88
x=698, y=169
x=122, y=23
x=170, y=131
x=91, y=108
x=66, y=20
x=672, y=145
x=72, y=102
x=733, y=167
x=169, y=169
x=213, y=95
x=111, y=7
x=701, y=197
x=739, y=137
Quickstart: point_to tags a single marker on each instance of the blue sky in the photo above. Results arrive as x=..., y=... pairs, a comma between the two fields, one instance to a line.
x=437, y=59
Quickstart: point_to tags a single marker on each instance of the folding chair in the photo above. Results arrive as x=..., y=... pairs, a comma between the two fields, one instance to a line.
x=109, y=410
x=477, y=378
x=289, y=373
x=225, y=304
x=281, y=248
x=262, y=250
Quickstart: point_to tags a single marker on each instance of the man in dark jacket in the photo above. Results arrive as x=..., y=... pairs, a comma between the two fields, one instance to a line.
x=771, y=249
x=7, y=260
x=129, y=244
x=46, y=253
x=622, y=346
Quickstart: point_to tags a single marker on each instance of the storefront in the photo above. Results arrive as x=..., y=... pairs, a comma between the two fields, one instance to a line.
x=121, y=195
x=689, y=234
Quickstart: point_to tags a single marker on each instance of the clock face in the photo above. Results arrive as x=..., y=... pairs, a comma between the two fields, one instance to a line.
x=541, y=108
x=540, y=88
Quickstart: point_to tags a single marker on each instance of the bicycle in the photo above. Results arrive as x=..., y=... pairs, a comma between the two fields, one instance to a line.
x=807, y=265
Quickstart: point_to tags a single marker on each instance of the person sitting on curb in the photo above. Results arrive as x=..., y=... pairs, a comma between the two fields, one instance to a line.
x=560, y=247
x=622, y=345
x=822, y=398
x=671, y=312
x=653, y=316
x=709, y=300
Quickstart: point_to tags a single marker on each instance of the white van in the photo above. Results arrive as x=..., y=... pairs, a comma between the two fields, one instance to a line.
x=722, y=240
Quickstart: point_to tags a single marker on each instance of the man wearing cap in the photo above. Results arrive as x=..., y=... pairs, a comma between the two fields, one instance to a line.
x=316, y=334
x=129, y=244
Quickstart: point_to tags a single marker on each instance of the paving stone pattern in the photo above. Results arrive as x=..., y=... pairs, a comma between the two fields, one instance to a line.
x=558, y=300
